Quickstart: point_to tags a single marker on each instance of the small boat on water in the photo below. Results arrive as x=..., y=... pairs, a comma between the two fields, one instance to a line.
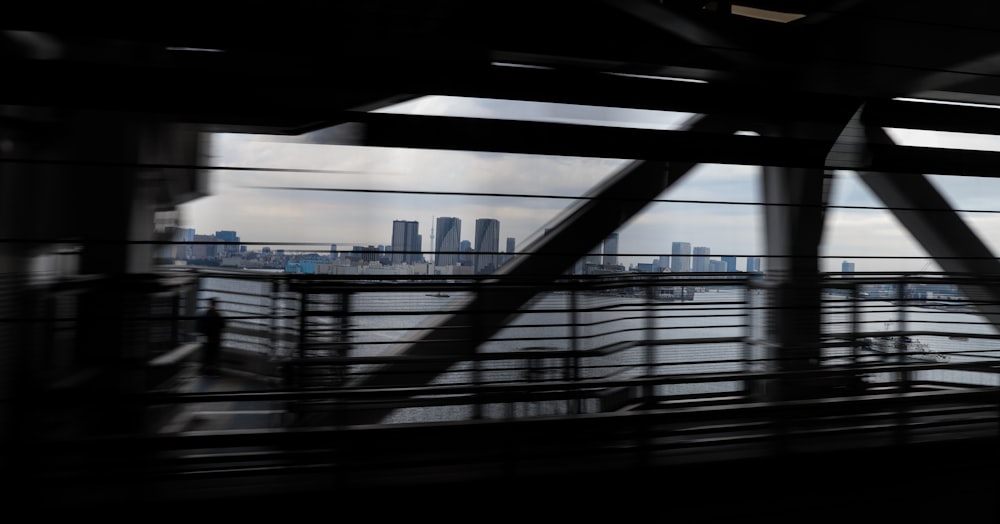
x=909, y=347
x=438, y=294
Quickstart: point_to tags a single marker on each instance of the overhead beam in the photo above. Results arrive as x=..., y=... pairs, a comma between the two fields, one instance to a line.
x=546, y=138
x=949, y=117
x=224, y=92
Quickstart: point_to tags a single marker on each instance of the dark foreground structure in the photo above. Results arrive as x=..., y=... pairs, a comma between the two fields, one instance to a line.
x=101, y=132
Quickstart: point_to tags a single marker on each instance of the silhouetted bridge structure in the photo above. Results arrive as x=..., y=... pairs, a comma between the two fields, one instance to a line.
x=742, y=409
x=591, y=387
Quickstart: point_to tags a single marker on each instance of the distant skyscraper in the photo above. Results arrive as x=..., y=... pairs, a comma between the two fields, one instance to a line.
x=680, y=257
x=717, y=266
x=333, y=251
x=847, y=267
x=365, y=253
x=611, y=250
x=509, y=253
x=232, y=241
x=661, y=264
x=753, y=265
x=487, y=255
x=700, y=259
x=204, y=247
x=466, y=249
x=405, y=242
x=730, y=263
x=448, y=239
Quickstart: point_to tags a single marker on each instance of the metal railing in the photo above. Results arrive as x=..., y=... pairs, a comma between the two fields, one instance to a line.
x=633, y=366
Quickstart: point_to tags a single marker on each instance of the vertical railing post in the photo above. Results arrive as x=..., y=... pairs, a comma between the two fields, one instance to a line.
x=477, y=341
x=855, y=320
x=342, y=343
x=273, y=332
x=748, y=333
x=303, y=323
x=572, y=373
x=344, y=334
x=650, y=335
x=296, y=371
x=904, y=374
x=901, y=349
x=191, y=307
x=175, y=318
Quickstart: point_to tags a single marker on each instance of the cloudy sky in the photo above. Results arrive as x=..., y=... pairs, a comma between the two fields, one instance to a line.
x=314, y=195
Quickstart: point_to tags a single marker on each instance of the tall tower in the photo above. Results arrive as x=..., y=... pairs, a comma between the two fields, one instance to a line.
x=730, y=263
x=448, y=241
x=680, y=257
x=487, y=245
x=465, y=253
x=700, y=259
x=509, y=253
x=405, y=242
x=611, y=250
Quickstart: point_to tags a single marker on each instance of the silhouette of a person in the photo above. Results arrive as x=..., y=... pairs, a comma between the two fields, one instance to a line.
x=210, y=324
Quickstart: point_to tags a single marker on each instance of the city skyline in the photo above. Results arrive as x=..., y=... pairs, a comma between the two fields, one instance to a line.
x=343, y=194
x=683, y=257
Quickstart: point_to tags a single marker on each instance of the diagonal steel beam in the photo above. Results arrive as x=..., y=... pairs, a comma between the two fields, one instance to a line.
x=925, y=213
x=456, y=337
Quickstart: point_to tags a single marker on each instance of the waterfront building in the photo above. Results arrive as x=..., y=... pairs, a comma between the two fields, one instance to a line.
x=447, y=241
x=700, y=259
x=487, y=245
x=406, y=242
x=730, y=263
x=465, y=253
x=611, y=250
x=231, y=240
x=661, y=264
x=204, y=247
x=509, y=252
x=680, y=257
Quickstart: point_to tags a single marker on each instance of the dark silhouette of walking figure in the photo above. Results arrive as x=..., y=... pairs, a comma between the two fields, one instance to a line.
x=210, y=324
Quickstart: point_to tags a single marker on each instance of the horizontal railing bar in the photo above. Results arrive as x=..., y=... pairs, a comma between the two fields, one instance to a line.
x=591, y=384
x=615, y=422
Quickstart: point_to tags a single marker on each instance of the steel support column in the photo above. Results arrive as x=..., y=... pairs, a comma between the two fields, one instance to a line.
x=796, y=200
x=91, y=181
